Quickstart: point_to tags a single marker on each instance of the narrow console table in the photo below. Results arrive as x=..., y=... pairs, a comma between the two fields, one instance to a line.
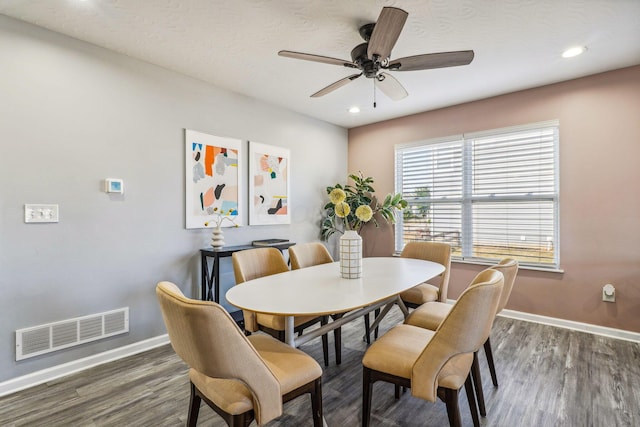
x=210, y=278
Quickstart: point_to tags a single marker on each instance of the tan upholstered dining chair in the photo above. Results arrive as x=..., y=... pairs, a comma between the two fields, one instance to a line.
x=434, y=289
x=241, y=378
x=315, y=253
x=436, y=364
x=430, y=315
x=260, y=262
x=308, y=254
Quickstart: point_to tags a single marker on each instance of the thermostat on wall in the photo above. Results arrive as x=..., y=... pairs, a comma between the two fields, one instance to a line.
x=113, y=185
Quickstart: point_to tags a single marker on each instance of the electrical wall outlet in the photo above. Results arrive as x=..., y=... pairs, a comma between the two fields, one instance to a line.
x=608, y=293
x=40, y=213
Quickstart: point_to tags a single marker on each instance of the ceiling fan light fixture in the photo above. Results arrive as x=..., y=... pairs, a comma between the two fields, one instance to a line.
x=573, y=51
x=354, y=110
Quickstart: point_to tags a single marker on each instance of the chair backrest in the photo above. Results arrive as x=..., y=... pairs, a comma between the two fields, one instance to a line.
x=464, y=330
x=432, y=251
x=308, y=254
x=259, y=262
x=378, y=237
x=252, y=264
x=509, y=269
x=205, y=336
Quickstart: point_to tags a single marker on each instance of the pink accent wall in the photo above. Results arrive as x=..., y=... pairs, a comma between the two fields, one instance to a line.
x=599, y=188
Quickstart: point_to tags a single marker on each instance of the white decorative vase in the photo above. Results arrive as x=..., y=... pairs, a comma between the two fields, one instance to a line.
x=217, y=238
x=350, y=255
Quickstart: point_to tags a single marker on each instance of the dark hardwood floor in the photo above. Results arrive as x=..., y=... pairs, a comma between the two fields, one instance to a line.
x=548, y=377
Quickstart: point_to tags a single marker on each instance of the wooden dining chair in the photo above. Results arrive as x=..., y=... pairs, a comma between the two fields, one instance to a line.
x=310, y=254
x=260, y=262
x=241, y=378
x=430, y=315
x=434, y=289
x=436, y=364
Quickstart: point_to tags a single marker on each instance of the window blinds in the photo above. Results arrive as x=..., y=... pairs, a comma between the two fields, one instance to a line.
x=490, y=195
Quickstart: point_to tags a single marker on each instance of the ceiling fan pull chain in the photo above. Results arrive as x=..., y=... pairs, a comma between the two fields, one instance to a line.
x=374, y=93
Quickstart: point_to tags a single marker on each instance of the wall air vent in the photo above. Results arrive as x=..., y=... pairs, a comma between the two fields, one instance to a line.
x=54, y=336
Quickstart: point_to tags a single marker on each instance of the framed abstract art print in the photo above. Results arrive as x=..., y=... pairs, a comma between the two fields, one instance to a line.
x=213, y=166
x=269, y=186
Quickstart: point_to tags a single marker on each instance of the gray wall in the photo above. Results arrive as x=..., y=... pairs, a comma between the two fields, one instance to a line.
x=72, y=114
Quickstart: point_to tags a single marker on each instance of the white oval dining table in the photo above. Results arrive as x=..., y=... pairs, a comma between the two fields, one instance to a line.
x=319, y=290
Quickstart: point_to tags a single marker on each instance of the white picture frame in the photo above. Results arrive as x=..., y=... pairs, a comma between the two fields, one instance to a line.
x=269, y=184
x=213, y=180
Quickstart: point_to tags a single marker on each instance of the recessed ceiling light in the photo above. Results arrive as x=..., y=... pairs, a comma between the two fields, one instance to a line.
x=354, y=110
x=574, y=51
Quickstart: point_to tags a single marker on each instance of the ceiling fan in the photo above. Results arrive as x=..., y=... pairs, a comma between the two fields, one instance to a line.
x=372, y=57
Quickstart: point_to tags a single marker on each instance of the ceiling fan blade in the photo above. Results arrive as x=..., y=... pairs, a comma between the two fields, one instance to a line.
x=335, y=85
x=386, y=32
x=391, y=87
x=317, y=58
x=432, y=60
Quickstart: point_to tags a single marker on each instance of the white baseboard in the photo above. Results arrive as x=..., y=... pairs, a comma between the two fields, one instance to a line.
x=604, y=331
x=620, y=334
x=20, y=383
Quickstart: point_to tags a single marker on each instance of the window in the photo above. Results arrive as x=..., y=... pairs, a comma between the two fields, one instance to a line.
x=489, y=194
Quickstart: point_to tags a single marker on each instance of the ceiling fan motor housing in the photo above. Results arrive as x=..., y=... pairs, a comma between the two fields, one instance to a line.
x=360, y=58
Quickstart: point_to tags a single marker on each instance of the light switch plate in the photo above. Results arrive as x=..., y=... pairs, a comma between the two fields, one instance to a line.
x=40, y=213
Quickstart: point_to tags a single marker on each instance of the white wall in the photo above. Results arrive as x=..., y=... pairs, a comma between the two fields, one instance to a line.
x=72, y=114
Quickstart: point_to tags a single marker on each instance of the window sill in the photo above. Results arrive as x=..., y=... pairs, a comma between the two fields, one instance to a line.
x=490, y=263
x=520, y=266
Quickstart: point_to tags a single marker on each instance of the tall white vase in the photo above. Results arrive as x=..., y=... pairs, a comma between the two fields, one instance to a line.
x=350, y=255
x=217, y=238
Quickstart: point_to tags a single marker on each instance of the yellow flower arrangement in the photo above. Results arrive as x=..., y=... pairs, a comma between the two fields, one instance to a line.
x=353, y=206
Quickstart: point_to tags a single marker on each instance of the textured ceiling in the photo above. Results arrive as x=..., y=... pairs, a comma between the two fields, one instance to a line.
x=233, y=44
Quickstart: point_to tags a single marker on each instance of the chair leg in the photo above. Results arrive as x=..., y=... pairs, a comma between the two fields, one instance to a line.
x=316, y=403
x=477, y=381
x=337, y=338
x=367, y=332
x=240, y=420
x=325, y=342
x=471, y=398
x=492, y=368
x=366, y=329
x=453, y=410
x=376, y=314
x=367, y=390
x=194, y=407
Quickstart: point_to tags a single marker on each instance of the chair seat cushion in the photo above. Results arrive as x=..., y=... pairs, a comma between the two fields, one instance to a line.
x=420, y=294
x=292, y=367
x=277, y=322
x=429, y=315
x=396, y=351
x=231, y=396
